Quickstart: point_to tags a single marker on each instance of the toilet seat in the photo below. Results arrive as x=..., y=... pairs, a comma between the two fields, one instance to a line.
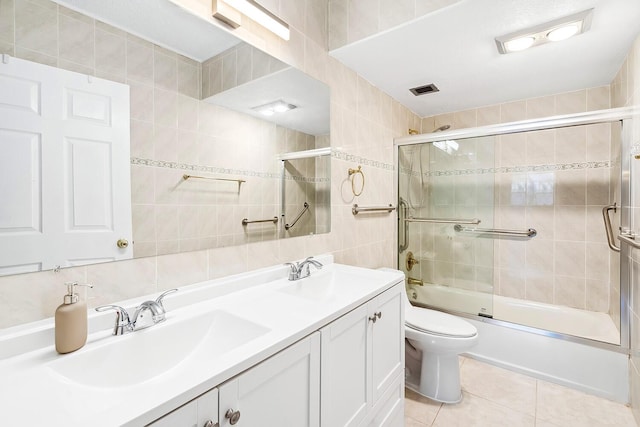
x=438, y=323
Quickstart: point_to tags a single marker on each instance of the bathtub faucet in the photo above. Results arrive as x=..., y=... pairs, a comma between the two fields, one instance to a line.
x=301, y=270
x=412, y=281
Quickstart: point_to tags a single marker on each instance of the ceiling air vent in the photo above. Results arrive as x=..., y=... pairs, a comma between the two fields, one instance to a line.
x=423, y=90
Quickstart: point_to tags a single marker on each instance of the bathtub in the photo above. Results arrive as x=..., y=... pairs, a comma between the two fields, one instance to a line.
x=543, y=347
x=548, y=317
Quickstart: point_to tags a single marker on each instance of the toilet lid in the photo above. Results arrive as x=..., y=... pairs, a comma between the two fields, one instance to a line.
x=432, y=321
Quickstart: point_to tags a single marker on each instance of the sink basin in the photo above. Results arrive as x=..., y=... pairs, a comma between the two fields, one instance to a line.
x=323, y=286
x=312, y=288
x=143, y=355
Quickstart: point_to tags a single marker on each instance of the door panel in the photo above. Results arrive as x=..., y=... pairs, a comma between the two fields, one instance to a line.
x=20, y=165
x=442, y=185
x=66, y=136
x=88, y=198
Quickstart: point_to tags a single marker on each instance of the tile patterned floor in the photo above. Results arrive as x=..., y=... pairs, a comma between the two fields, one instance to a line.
x=495, y=397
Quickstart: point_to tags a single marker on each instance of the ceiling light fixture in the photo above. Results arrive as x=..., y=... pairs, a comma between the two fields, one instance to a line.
x=230, y=12
x=556, y=30
x=271, y=108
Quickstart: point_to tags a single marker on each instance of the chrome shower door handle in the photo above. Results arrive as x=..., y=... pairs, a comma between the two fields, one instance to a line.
x=608, y=228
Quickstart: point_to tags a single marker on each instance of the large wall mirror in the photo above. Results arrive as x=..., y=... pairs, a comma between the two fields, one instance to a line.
x=183, y=139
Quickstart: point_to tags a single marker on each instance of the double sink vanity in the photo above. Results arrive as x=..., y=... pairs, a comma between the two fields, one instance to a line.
x=255, y=349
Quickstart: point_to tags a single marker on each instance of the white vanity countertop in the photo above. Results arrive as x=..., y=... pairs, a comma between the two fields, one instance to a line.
x=33, y=391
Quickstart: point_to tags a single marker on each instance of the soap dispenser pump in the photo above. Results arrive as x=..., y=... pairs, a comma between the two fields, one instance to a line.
x=71, y=321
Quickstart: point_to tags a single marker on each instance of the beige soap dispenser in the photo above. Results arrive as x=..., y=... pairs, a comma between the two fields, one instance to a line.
x=71, y=321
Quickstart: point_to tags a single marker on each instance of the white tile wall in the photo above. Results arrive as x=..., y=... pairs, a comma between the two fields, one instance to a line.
x=353, y=20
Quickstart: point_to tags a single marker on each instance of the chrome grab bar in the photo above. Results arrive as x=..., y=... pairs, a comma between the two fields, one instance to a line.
x=273, y=220
x=402, y=213
x=607, y=226
x=357, y=209
x=531, y=232
x=474, y=221
x=630, y=239
x=186, y=177
x=304, y=209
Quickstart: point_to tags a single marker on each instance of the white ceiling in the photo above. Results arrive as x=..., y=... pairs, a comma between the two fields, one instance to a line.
x=454, y=48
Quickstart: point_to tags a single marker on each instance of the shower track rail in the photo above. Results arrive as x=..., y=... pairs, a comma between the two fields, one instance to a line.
x=531, y=232
x=586, y=118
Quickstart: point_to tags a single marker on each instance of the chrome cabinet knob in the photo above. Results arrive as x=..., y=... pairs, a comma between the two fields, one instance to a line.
x=232, y=416
x=210, y=423
x=375, y=317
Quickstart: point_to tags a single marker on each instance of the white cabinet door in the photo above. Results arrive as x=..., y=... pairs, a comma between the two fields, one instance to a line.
x=362, y=358
x=201, y=412
x=65, y=168
x=389, y=410
x=346, y=379
x=387, y=342
x=208, y=409
x=282, y=391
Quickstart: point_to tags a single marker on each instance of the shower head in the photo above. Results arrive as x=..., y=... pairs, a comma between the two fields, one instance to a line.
x=441, y=128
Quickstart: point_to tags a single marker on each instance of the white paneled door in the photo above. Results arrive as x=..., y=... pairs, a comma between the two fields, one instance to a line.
x=65, y=195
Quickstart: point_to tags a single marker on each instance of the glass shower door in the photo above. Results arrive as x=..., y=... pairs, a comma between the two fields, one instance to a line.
x=446, y=190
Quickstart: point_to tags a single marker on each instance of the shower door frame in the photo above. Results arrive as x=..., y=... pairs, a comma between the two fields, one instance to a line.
x=623, y=115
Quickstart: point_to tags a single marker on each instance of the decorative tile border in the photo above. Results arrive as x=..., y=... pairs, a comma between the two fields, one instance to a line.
x=341, y=155
x=514, y=169
x=222, y=171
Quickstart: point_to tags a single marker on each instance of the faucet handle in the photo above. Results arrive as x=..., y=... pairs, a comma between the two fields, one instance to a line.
x=294, y=270
x=122, y=318
x=164, y=294
x=311, y=260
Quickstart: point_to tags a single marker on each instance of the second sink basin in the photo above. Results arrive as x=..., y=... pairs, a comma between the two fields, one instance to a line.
x=324, y=285
x=143, y=355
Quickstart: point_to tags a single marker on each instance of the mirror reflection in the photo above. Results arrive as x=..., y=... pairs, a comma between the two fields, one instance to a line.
x=182, y=117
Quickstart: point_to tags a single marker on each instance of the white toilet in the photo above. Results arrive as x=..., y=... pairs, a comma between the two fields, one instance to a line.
x=434, y=340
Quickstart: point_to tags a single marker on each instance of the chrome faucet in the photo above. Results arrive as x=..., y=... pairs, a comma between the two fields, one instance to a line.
x=300, y=270
x=125, y=324
x=157, y=314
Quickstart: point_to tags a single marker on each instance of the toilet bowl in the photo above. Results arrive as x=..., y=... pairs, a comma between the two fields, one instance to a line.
x=434, y=341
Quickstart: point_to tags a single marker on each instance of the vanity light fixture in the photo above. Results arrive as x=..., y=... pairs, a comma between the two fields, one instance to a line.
x=271, y=108
x=230, y=12
x=556, y=30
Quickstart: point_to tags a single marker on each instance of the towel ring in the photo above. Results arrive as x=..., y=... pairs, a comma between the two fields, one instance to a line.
x=353, y=185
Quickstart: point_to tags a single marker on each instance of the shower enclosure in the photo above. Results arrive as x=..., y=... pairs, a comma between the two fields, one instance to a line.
x=505, y=222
